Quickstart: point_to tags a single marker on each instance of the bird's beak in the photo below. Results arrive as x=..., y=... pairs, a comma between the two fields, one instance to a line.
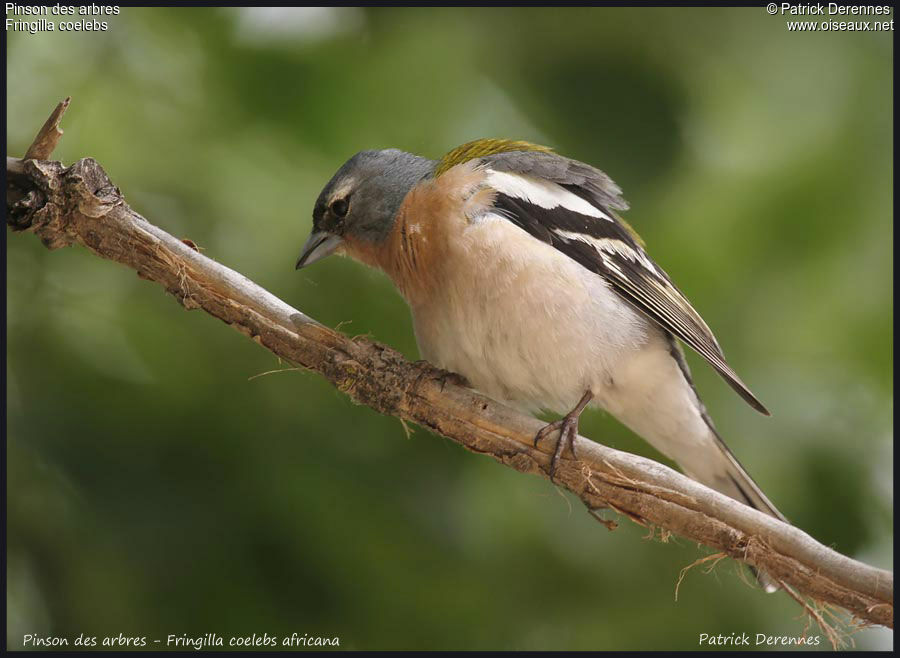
x=319, y=245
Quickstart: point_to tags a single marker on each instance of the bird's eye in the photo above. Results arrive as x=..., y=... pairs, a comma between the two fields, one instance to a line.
x=340, y=207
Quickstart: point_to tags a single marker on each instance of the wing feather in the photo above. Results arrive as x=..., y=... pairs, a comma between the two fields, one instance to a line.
x=603, y=243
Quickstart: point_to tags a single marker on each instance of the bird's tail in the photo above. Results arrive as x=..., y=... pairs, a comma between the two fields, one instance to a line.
x=719, y=469
x=724, y=473
x=740, y=485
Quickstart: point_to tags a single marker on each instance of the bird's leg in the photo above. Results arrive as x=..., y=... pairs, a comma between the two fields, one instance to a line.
x=568, y=430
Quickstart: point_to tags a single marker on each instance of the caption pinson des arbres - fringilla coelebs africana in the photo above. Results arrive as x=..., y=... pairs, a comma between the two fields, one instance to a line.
x=522, y=278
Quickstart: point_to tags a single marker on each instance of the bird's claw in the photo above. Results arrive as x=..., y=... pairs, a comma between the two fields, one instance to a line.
x=568, y=430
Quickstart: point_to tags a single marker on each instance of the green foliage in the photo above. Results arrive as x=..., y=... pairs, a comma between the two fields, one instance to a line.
x=156, y=486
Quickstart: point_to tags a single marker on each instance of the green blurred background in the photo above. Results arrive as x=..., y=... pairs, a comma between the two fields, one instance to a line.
x=155, y=486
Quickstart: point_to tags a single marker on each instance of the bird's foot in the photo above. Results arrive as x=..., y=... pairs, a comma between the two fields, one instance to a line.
x=567, y=426
x=568, y=429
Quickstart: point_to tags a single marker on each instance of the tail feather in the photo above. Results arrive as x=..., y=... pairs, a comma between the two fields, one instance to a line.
x=744, y=489
x=749, y=492
x=725, y=473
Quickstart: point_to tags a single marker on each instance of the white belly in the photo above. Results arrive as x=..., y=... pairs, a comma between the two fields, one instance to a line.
x=526, y=324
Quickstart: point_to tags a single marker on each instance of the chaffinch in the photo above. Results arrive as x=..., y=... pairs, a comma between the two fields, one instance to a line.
x=522, y=277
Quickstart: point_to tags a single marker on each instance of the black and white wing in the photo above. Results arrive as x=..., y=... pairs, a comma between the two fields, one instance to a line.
x=571, y=206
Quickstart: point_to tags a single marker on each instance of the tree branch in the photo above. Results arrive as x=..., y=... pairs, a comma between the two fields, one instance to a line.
x=48, y=136
x=79, y=204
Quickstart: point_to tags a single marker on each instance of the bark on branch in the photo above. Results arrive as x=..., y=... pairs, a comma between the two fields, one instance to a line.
x=79, y=204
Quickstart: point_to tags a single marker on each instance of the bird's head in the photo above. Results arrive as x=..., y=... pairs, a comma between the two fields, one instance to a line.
x=360, y=202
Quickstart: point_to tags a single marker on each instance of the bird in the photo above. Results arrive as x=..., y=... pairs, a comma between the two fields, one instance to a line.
x=523, y=278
